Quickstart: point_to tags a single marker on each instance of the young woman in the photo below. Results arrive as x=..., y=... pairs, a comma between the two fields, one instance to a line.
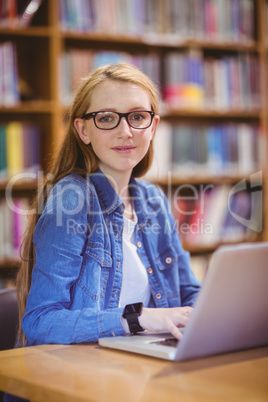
x=102, y=256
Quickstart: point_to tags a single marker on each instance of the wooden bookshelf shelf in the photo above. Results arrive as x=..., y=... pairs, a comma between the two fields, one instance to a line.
x=35, y=106
x=182, y=179
x=208, y=249
x=26, y=32
x=246, y=46
x=159, y=41
x=22, y=185
x=12, y=263
x=101, y=37
x=212, y=114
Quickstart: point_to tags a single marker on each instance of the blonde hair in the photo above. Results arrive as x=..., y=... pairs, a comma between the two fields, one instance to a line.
x=76, y=157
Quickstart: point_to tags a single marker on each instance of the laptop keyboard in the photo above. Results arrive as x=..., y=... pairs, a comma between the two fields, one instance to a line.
x=167, y=342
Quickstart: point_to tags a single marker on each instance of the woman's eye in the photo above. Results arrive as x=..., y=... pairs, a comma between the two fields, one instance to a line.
x=104, y=119
x=137, y=117
x=107, y=118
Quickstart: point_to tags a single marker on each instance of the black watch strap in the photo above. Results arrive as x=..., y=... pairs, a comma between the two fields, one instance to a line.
x=131, y=314
x=133, y=323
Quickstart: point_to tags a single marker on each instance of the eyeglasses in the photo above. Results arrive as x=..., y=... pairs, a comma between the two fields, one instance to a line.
x=106, y=120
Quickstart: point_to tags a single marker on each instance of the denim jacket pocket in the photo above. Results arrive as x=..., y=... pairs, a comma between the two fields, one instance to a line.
x=95, y=270
x=167, y=259
x=97, y=251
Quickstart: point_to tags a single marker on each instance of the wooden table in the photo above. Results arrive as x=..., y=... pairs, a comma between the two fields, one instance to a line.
x=87, y=372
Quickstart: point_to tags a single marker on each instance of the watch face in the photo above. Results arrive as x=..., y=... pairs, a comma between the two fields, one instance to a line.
x=133, y=308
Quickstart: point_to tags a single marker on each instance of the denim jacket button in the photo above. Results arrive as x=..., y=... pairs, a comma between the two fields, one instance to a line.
x=158, y=295
x=150, y=270
x=139, y=244
x=168, y=260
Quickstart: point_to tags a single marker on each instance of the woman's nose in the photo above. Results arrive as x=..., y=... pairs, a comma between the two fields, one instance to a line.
x=124, y=129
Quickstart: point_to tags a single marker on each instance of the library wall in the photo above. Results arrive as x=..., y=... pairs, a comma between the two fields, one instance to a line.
x=209, y=60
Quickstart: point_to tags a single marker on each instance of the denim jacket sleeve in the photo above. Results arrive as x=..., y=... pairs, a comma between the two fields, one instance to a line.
x=50, y=315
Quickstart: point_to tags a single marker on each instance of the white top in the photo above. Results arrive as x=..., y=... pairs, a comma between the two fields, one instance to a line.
x=135, y=283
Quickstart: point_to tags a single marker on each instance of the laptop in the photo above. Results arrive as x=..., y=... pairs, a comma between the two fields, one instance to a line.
x=230, y=314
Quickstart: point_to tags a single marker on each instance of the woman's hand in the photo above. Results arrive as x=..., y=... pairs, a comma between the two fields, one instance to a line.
x=165, y=319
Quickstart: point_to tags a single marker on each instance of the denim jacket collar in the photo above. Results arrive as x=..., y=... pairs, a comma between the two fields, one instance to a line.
x=108, y=197
x=111, y=201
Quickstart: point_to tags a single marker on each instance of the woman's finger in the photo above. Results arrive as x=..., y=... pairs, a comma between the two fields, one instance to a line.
x=175, y=331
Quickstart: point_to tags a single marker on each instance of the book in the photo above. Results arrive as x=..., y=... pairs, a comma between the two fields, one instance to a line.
x=14, y=218
x=26, y=11
x=3, y=156
x=18, y=13
x=230, y=144
x=215, y=149
x=19, y=148
x=215, y=206
x=182, y=140
x=14, y=141
x=7, y=227
x=234, y=227
x=31, y=147
x=245, y=139
x=9, y=92
x=183, y=206
x=20, y=221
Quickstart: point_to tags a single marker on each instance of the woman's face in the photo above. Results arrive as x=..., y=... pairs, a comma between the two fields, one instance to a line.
x=120, y=149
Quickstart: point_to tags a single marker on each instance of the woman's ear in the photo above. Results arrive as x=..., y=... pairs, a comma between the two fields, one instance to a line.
x=81, y=129
x=155, y=124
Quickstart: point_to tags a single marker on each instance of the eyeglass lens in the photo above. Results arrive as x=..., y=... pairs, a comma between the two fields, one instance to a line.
x=109, y=120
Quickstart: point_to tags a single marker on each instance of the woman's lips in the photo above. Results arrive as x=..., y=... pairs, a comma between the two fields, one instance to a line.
x=124, y=149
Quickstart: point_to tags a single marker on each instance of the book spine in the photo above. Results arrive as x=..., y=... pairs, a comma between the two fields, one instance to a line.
x=14, y=222
x=3, y=152
x=14, y=141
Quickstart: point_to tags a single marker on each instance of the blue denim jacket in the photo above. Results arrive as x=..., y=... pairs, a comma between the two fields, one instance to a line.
x=77, y=277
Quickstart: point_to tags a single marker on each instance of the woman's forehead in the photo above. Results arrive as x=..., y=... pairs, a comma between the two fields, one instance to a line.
x=119, y=93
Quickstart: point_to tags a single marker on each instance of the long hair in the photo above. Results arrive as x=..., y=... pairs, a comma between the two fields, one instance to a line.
x=76, y=157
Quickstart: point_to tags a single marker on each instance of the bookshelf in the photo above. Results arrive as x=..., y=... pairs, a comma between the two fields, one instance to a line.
x=46, y=43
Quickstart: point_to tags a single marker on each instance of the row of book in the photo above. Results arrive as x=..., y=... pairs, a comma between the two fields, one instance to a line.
x=19, y=148
x=213, y=214
x=191, y=149
x=78, y=63
x=13, y=215
x=9, y=79
x=227, y=82
x=18, y=13
x=175, y=20
x=189, y=80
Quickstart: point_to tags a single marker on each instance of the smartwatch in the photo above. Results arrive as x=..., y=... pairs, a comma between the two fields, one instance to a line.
x=131, y=314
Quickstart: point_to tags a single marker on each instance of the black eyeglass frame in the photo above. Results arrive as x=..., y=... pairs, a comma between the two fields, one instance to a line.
x=88, y=116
